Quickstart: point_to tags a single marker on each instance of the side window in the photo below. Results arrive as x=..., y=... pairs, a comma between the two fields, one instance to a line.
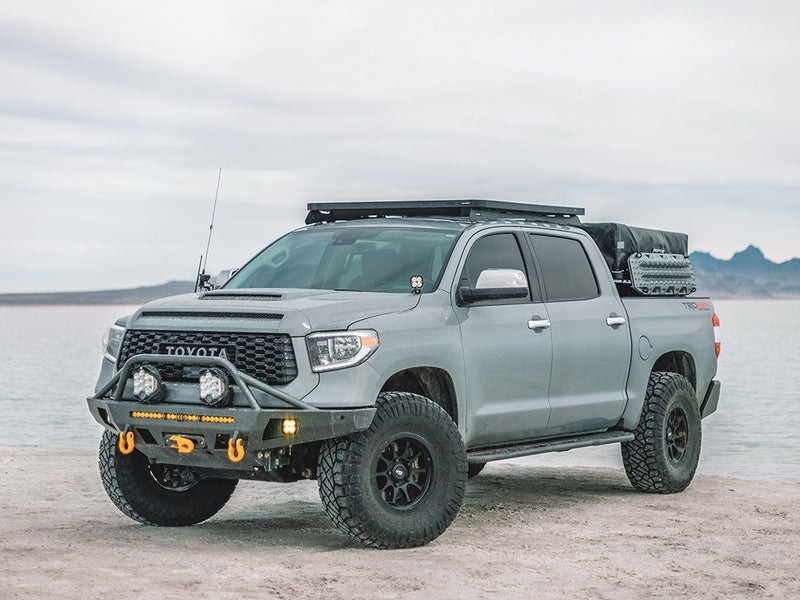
x=495, y=251
x=565, y=268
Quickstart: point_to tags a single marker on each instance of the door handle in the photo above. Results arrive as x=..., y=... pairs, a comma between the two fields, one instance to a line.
x=538, y=322
x=615, y=320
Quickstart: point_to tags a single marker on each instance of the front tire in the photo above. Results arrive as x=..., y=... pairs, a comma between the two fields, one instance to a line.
x=663, y=456
x=399, y=483
x=162, y=495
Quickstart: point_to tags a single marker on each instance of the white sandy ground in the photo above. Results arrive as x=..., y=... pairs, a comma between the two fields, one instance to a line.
x=523, y=532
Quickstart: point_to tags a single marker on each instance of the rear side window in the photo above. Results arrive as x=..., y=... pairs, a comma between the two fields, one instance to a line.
x=565, y=268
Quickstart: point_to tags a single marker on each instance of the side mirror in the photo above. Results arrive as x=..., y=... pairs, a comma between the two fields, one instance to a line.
x=222, y=278
x=495, y=284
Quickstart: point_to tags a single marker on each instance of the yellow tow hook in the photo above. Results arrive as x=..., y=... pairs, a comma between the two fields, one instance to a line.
x=235, y=448
x=125, y=443
x=181, y=444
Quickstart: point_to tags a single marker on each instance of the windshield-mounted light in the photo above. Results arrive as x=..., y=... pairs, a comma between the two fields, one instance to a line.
x=329, y=350
x=112, y=342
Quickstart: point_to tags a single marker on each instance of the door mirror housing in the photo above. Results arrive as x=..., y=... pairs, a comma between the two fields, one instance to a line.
x=222, y=278
x=495, y=284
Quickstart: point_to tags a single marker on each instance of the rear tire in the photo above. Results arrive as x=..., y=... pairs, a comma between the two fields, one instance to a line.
x=399, y=483
x=163, y=495
x=663, y=456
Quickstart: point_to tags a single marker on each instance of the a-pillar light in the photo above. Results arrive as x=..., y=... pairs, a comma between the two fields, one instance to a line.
x=214, y=388
x=147, y=385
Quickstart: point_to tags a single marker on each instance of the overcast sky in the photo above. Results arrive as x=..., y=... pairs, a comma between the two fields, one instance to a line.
x=116, y=116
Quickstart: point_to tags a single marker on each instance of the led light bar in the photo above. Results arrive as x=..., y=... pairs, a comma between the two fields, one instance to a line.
x=137, y=414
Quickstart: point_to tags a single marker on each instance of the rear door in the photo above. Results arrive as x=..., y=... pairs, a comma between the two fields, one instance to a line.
x=591, y=338
x=507, y=364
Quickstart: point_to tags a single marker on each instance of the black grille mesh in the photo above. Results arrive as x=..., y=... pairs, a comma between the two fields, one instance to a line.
x=265, y=356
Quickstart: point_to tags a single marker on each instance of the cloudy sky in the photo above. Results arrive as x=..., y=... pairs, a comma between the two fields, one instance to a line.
x=116, y=116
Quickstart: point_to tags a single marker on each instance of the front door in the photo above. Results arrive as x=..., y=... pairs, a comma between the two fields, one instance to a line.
x=507, y=363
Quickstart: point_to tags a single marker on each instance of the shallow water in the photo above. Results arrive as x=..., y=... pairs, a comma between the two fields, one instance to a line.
x=50, y=357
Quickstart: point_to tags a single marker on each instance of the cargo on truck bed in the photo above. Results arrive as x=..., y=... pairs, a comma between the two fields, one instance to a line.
x=643, y=261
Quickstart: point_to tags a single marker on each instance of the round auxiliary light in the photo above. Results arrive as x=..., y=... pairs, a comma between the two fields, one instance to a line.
x=214, y=388
x=147, y=385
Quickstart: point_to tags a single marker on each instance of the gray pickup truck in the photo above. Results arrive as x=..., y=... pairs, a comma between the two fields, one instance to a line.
x=390, y=350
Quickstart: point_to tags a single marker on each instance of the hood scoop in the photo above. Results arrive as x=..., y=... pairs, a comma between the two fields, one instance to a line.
x=185, y=314
x=249, y=295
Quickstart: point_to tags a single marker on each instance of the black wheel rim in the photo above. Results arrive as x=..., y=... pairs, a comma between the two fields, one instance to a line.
x=174, y=478
x=404, y=471
x=676, y=434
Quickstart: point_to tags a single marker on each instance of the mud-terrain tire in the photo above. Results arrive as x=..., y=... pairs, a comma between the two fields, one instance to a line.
x=474, y=469
x=663, y=456
x=399, y=483
x=133, y=486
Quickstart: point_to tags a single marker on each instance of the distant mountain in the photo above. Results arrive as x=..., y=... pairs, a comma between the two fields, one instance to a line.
x=748, y=274
x=139, y=295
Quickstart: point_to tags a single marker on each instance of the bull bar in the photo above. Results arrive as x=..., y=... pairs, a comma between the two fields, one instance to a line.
x=213, y=430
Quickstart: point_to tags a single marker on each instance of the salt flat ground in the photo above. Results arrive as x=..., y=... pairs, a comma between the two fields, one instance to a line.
x=523, y=532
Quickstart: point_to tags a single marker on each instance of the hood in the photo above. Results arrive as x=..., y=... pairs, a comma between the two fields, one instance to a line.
x=292, y=311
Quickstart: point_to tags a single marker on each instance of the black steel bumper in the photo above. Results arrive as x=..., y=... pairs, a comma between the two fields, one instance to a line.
x=212, y=429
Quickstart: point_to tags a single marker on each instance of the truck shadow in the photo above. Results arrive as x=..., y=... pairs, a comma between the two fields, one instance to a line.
x=524, y=485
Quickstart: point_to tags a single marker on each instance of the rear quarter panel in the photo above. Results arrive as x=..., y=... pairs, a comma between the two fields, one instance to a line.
x=665, y=325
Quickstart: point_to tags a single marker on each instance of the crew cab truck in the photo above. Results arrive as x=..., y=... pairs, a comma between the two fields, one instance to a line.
x=390, y=350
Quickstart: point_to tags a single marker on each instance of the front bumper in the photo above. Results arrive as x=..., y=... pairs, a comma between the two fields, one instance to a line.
x=212, y=429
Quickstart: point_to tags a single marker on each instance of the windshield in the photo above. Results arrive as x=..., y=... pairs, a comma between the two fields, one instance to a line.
x=360, y=259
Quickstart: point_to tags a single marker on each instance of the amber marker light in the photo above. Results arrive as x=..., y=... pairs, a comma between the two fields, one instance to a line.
x=289, y=427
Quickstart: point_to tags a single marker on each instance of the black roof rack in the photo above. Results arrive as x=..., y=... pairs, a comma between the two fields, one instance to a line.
x=476, y=209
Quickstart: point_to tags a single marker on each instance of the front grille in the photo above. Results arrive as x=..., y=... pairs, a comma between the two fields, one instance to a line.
x=265, y=356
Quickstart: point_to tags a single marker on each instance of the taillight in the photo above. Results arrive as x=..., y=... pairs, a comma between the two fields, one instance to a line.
x=717, y=342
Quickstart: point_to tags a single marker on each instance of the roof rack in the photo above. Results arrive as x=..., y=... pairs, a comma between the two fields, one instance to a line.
x=476, y=209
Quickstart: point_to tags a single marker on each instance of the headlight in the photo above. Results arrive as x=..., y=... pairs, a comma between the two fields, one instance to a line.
x=329, y=350
x=112, y=342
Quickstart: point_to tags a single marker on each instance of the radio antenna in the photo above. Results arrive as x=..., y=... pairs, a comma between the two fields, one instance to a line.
x=202, y=278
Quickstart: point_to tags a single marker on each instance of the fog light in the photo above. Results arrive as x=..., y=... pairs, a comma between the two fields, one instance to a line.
x=147, y=386
x=289, y=427
x=214, y=388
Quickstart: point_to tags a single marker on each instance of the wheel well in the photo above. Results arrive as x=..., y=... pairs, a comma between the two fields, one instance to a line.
x=678, y=362
x=431, y=382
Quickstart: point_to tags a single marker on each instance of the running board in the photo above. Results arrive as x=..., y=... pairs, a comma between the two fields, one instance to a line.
x=483, y=455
